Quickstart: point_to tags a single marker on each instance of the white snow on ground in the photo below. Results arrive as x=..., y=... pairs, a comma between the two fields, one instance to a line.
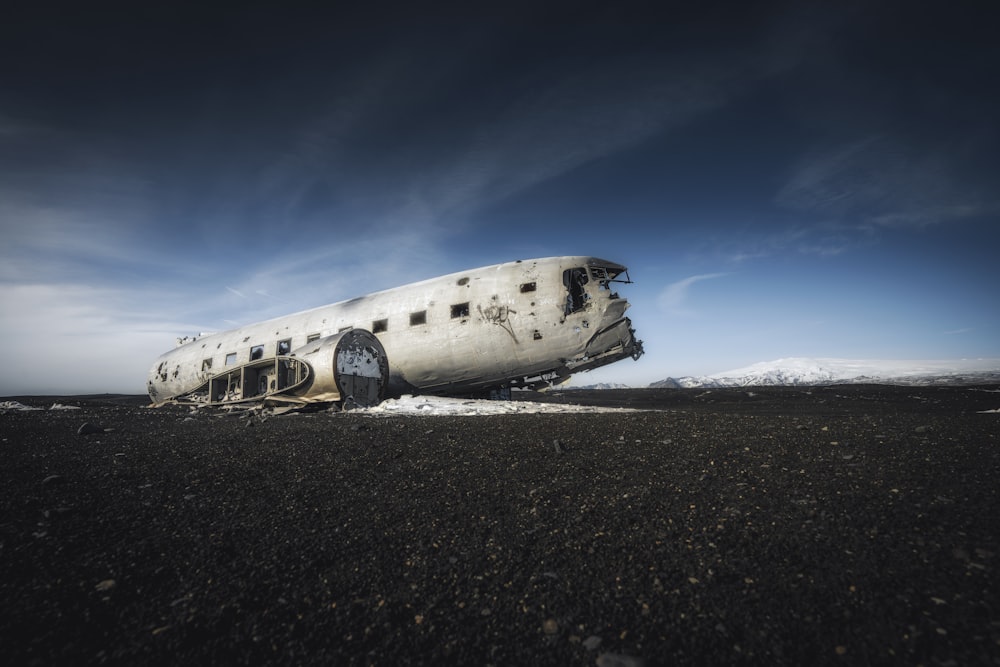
x=14, y=405
x=441, y=405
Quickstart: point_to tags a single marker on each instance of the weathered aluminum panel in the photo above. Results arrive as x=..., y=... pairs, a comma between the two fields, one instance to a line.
x=520, y=323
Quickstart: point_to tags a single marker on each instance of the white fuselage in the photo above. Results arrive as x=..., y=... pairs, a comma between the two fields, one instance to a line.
x=520, y=323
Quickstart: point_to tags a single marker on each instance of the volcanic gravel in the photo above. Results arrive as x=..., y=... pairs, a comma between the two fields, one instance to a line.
x=854, y=525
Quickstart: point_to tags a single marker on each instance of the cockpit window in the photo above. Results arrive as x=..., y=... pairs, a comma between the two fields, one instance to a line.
x=605, y=275
x=574, y=280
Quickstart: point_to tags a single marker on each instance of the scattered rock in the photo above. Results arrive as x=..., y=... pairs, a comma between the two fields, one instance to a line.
x=87, y=428
x=105, y=585
x=52, y=480
x=592, y=642
x=619, y=660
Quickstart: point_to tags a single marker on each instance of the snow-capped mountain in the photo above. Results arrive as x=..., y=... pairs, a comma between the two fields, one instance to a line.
x=599, y=385
x=805, y=371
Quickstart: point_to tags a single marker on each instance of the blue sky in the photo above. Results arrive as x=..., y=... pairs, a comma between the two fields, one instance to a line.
x=781, y=179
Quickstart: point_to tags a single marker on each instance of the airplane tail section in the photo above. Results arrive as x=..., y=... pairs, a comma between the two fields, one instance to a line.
x=350, y=368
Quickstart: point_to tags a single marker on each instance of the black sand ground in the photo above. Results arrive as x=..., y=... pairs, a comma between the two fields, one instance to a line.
x=854, y=525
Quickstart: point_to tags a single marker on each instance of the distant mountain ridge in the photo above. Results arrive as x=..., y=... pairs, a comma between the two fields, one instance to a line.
x=599, y=385
x=797, y=371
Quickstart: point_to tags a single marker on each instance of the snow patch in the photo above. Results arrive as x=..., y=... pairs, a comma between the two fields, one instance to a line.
x=462, y=407
x=14, y=405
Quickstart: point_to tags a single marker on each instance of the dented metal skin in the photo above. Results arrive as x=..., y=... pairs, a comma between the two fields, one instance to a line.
x=527, y=323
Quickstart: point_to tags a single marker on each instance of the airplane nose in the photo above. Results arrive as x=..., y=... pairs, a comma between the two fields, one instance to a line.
x=615, y=310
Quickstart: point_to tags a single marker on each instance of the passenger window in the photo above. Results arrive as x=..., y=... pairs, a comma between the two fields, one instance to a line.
x=419, y=317
x=527, y=287
x=230, y=358
x=460, y=310
x=378, y=326
x=284, y=346
x=206, y=364
x=311, y=337
x=256, y=352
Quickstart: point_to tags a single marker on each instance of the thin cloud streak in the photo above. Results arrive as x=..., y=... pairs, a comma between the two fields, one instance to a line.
x=878, y=182
x=586, y=116
x=673, y=299
x=569, y=120
x=750, y=246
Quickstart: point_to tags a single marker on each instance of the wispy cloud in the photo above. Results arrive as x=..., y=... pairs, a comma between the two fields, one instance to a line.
x=582, y=116
x=567, y=117
x=878, y=182
x=92, y=339
x=673, y=299
x=822, y=240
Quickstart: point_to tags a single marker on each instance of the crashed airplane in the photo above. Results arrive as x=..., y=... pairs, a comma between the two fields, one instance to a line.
x=523, y=324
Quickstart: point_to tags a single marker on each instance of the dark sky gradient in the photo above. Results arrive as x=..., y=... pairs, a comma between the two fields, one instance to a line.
x=782, y=179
